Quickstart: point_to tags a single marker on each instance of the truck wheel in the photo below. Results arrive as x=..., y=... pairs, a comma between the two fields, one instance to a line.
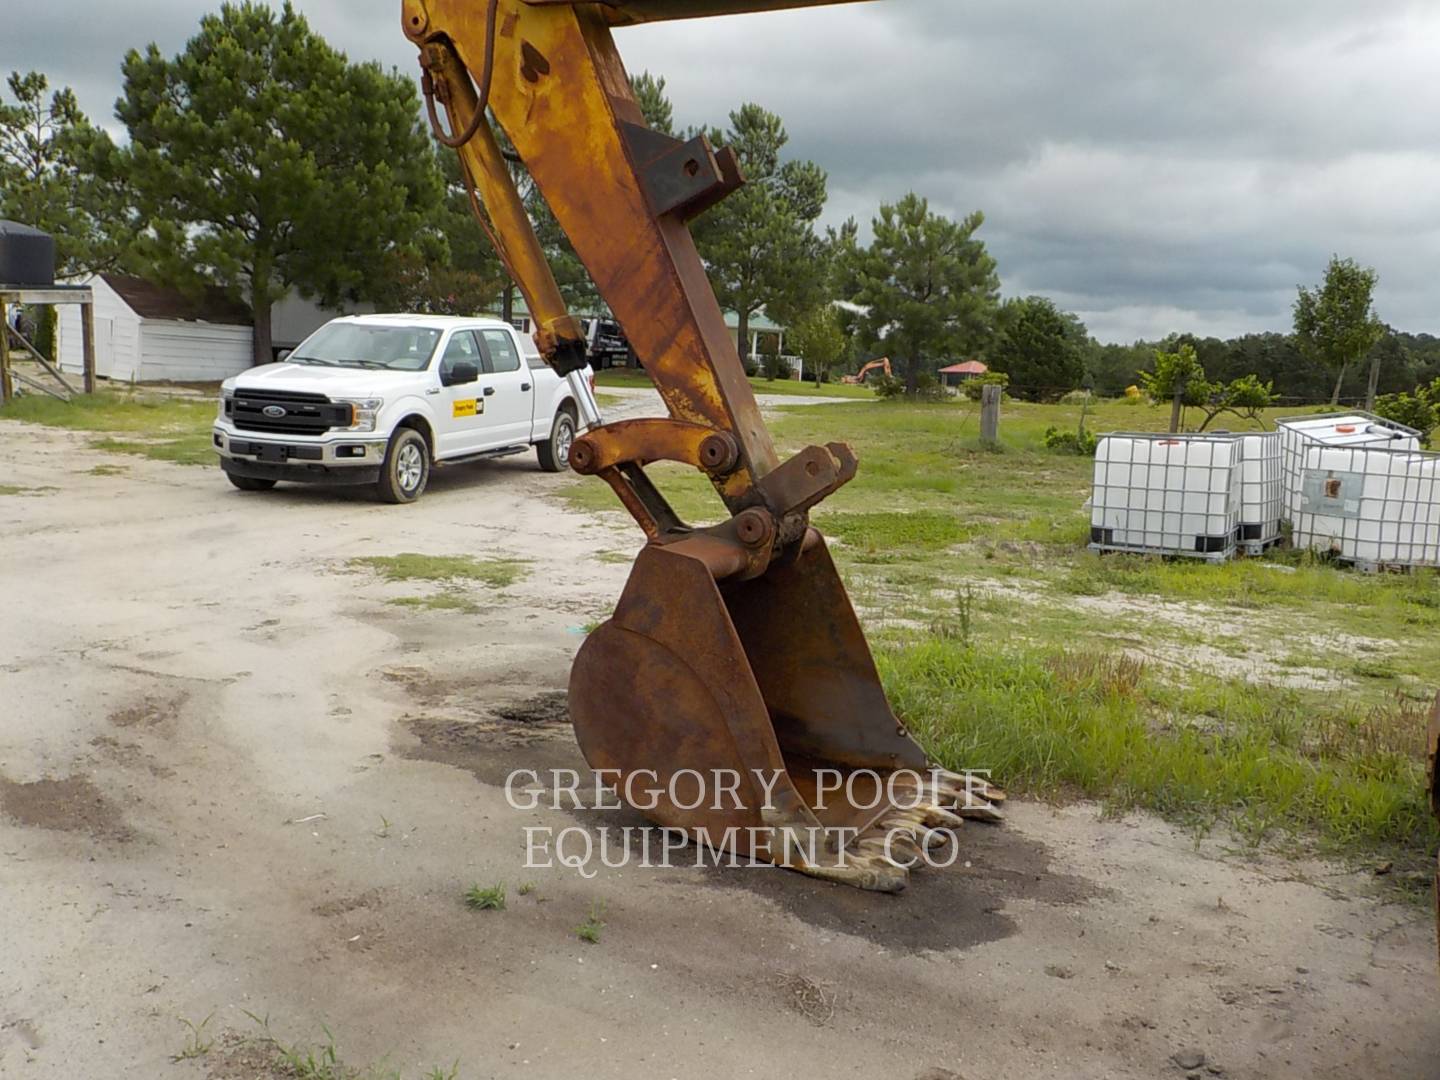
x=554, y=452
x=250, y=483
x=406, y=469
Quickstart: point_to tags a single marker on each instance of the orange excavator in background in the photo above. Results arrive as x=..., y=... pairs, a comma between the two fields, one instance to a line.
x=859, y=377
x=733, y=655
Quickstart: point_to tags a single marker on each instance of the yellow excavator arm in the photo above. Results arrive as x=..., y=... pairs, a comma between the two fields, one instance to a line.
x=734, y=650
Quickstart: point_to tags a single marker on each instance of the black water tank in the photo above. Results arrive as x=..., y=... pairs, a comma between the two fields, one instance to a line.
x=27, y=256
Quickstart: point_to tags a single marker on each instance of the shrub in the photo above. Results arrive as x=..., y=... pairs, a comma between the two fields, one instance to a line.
x=1419, y=409
x=973, y=387
x=927, y=388
x=1081, y=444
x=887, y=387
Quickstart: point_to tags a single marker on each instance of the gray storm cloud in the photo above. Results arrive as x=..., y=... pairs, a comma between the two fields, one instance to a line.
x=1152, y=166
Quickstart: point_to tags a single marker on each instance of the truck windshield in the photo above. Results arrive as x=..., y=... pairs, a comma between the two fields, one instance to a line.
x=361, y=345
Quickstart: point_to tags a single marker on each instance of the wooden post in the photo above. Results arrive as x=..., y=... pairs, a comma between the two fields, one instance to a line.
x=1374, y=383
x=87, y=340
x=990, y=415
x=7, y=388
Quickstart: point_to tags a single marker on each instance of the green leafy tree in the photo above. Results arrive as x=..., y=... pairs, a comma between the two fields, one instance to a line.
x=759, y=243
x=262, y=159
x=817, y=339
x=1418, y=408
x=1038, y=347
x=928, y=286
x=1335, y=325
x=44, y=180
x=1179, y=378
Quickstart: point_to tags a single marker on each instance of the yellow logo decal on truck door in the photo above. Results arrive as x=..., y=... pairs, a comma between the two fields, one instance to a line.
x=467, y=407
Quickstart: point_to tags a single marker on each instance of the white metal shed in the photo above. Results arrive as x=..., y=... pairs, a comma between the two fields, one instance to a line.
x=146, y=332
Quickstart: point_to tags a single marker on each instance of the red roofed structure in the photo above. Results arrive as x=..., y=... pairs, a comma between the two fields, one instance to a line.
x=958, y=373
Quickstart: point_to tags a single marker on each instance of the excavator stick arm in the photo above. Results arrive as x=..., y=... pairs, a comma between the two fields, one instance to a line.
x=734, y=647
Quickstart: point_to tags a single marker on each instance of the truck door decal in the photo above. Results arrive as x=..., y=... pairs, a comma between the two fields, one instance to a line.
x=467, y=407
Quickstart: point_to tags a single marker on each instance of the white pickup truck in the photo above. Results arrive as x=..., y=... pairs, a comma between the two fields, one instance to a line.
x=379, y=399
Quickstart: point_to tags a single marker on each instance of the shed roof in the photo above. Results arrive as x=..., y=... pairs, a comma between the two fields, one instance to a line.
x=969, y=367
x=152, y=301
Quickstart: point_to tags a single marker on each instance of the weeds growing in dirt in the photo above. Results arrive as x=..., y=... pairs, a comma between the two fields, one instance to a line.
x=589, y=930
x=322, y=1061
x=449, y=600
x=186, y=450
x=485, y=899
x=526, y=888
x=411, y=566
x=197, y=1042
x=957, y=625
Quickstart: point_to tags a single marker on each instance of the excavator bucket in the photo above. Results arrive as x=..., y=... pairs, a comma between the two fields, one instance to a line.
x=750, y=715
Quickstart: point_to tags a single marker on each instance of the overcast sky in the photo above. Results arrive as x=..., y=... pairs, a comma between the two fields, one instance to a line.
x=1153, y=165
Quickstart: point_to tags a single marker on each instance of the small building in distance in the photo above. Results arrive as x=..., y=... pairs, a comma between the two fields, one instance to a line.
x=146, y=332
x=956, y=374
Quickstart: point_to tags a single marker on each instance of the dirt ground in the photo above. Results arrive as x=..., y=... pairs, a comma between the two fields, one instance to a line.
x=235, y=780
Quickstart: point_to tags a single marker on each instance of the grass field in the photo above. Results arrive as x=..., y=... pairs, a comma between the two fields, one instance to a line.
x=788, y=387
x=1282, y=696
x=158, y=426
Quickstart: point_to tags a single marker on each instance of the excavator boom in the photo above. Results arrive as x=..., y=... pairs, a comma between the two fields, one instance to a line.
x=734, y=651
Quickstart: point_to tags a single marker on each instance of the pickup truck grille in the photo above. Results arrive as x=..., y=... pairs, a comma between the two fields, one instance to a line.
x=285, y=412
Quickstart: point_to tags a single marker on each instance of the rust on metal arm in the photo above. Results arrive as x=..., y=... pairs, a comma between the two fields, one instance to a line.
x=734, y=647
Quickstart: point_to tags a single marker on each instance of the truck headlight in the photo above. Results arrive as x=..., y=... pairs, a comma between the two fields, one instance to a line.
x=225, y=407
x=363, y=412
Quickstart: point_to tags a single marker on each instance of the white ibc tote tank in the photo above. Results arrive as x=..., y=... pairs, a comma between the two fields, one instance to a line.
x=1166, y=494
x=1356, y=428
x=1260, y=501
x=1373, y=507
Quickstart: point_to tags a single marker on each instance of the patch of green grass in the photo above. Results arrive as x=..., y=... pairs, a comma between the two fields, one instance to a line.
x=896, y=531
x=589, y=930
x=188, y=450
x=1374, y=669
x=791, y=387
x=1055, y=722
x=443, y=601
x=20, y=489
x=411, y=566
x=108, y=470
x=163, y=427
x=138, y=413
x=491, y=898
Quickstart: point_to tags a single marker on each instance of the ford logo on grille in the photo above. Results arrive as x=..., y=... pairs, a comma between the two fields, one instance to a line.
x=274, y=411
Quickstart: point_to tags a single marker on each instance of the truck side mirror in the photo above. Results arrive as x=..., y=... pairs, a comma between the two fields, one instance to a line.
x=283, y=355
x=462, y=372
